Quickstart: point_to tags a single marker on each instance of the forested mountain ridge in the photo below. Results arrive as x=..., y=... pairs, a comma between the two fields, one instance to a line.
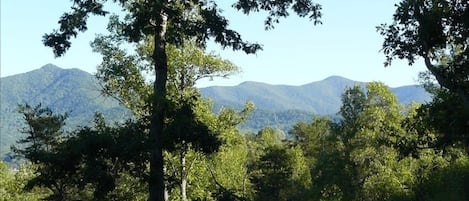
x=77, y=92
x=63, y=90
x=320, y=97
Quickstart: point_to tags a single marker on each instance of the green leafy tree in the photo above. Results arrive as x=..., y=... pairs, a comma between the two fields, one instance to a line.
x=360, y=159
x=170, y=22
x=312, y=137
x=448, y=181
x=380, y=150
x=43, y=132
x=216, y=176
x=268, y=137
x=104, y=154
x=376, y=144
x=278, y=168
x=41, y=144
x=437, y=31
x=281, y=173
x=186, y=126
x=419, y=133
x=353, y=104
x=228, y=166
x=329, y=147
x=447, y=118
x=273, y=171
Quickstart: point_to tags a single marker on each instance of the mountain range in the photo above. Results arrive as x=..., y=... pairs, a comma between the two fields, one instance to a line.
x=321, y=97
x=78, y=93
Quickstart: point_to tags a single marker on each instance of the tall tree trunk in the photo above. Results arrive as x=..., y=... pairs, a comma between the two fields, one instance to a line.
x=183, y=171
x=156, y=180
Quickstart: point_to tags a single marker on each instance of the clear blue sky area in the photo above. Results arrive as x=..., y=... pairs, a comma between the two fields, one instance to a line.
x=295, y=52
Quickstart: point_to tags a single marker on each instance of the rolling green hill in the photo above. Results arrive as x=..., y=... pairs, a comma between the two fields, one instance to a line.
x=73, y=91
x=77, y=92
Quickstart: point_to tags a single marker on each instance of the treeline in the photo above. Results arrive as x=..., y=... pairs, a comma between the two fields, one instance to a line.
x=377, y=150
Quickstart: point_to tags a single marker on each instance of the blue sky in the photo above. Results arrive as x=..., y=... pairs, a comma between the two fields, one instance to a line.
x=295, y=52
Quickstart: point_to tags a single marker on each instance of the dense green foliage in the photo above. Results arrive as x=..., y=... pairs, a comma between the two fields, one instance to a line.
x=438, y=32
x=377, y=150
x=13, y=181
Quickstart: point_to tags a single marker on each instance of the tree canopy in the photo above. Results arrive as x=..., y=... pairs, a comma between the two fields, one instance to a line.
x=438, y=32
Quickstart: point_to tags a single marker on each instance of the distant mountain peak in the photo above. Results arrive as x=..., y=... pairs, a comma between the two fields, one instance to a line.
x=252, y=83
x=334, y=80
x=336, y=77
x=50, y=67
x=63, y=90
